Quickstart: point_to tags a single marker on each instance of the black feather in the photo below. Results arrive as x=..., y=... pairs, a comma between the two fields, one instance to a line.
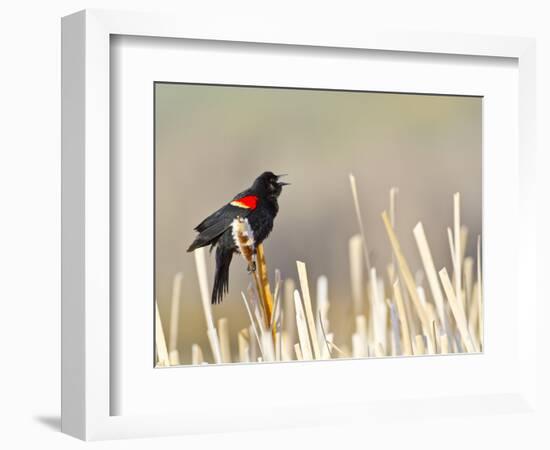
x=221, y=279
x=211, y=228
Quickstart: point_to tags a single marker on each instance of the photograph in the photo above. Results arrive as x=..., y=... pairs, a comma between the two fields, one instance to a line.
x=300, y=224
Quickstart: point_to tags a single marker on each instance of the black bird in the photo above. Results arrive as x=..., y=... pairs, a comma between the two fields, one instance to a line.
x=258, y=206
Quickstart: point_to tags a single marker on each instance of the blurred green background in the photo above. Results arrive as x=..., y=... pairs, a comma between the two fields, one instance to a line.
x=212, y=141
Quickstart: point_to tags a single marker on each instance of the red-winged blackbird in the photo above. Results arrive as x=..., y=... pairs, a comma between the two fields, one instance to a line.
x=258, y=206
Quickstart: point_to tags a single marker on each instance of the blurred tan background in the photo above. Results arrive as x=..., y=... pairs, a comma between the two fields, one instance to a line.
x=212, y=141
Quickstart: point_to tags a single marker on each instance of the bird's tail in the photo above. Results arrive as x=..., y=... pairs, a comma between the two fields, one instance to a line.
x=221, y=279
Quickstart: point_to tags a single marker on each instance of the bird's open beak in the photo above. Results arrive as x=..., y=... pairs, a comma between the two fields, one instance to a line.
x=282, y=183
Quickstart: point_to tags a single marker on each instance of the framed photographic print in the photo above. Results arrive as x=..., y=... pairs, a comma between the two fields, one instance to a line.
x=272, y=229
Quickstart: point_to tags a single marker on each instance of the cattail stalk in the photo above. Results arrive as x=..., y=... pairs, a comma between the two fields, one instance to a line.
x=225, y=346
x=361, y=343
x=379, y=312
x=304, y=284
x=289, y=313
x=163, y=359
x=252, y=321
x=243, y=339
x=406, y=345
x=200, y=263
x=243, y=236
x=323, y=307
x=196, y=355
x=174, y=320
x=458, y=311
x=457, y=249
x=305, y=345
x=264, y=289
x=405, y=271
x=298, y=350
x=468, y=271
x=419, y=347
x=479, y=293
x=429, y=268
x=356, y=273
x=359, y=219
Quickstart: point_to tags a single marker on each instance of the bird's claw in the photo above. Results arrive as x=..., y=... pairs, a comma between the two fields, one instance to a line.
x=252, y=267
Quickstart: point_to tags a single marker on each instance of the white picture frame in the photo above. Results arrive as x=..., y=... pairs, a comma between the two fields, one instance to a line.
x=87, y=328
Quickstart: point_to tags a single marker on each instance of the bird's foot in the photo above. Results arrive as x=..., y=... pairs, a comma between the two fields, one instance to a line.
x=252, y=267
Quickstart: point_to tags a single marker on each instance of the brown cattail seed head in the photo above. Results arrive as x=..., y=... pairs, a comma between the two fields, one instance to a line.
x=244, y=239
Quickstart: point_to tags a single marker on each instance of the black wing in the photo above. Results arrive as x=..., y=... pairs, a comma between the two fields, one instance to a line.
x=211, y=228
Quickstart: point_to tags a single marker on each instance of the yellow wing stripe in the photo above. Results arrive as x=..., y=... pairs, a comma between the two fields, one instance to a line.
x=239, y=204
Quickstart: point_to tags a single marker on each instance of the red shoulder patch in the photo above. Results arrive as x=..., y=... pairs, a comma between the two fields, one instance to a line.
x=248, y=202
